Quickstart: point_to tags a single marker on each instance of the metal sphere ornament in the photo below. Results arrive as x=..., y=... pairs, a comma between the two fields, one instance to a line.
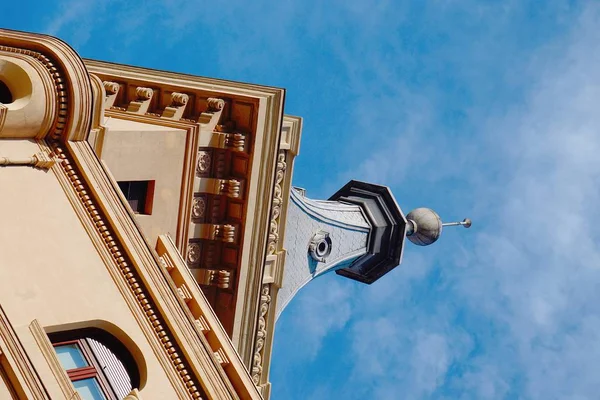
x=425, y=226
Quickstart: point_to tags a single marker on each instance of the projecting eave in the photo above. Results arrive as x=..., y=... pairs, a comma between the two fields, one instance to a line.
x=386, y=241
x=213, y=112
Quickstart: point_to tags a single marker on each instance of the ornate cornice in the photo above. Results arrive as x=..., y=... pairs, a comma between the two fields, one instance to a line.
x=71, y=80
x=275, y=254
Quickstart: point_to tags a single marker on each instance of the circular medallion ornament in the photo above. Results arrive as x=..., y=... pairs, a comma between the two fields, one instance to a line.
x=193, y=255
x=203, y=163
x=320, y=245
x=198, y=207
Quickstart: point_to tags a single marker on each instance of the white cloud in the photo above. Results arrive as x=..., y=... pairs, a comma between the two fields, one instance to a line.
x=318, y=321
x=529, y=276
x=530, y=282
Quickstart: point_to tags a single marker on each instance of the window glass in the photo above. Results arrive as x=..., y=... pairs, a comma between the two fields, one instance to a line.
x=70, y=356
x=89, y=389
x=138, y=194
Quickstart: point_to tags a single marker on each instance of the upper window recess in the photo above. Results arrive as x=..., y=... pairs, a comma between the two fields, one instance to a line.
x=6, y=96
x=139, y=195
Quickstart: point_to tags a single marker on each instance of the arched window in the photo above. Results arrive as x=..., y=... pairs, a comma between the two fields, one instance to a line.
x=98, y=364
x=6, y=96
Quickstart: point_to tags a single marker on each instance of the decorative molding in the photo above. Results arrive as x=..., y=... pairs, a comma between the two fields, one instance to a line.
x=208, y=327
x=72, y=120
x=43, y=342
x=230, y=187
x=184, y=293
x=176, y=109
x=179, y=99
x=234, y=141
x=211, y=116
x=3, y=113
x=226, y=233
x=39, y=160
x=214, y=104
x=221, y=357
x=131, y=276
x=277, y=202
x=220, y=279
x=261, y=111
x=141, y=104
x=143, y=93
x=18, y=362
x=112, y=89
x=201, y=323
x=261, y=333
x=211, y=277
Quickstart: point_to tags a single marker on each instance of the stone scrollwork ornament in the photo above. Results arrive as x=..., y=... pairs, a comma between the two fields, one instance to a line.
x=215, y=104
x=143, y=93
x=179, y=99
x=277, y=202
x=261, y=333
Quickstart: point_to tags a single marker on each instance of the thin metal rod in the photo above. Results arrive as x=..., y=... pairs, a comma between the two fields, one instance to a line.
x=466, y=223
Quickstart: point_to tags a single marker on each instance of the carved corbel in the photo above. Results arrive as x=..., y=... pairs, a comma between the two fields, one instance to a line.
x=229, y=141
x=225, y=187
x=112, y=89
x=212, y=277
x=210, y=118
x=235, y=141
x=142, y=102
x=177, y=107
x=230, y=187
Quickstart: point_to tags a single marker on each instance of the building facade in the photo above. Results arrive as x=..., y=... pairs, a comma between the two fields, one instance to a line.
x=150, y=233
x=141, y=227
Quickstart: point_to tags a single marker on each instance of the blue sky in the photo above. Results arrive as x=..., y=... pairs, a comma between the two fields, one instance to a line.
x=481, y=109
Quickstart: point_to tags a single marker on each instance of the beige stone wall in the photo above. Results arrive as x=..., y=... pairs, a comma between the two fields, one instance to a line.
x=136, y=151
x=51, y=271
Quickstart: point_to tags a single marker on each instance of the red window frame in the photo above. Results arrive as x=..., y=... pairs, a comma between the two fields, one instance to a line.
x=93, y=370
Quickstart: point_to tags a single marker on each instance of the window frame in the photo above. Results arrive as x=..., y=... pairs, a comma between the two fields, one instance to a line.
x=148, y=198
x=92, y=370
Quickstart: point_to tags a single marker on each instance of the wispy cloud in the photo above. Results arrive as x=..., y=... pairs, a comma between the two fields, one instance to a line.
x=461, y=105
x=513, y=313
